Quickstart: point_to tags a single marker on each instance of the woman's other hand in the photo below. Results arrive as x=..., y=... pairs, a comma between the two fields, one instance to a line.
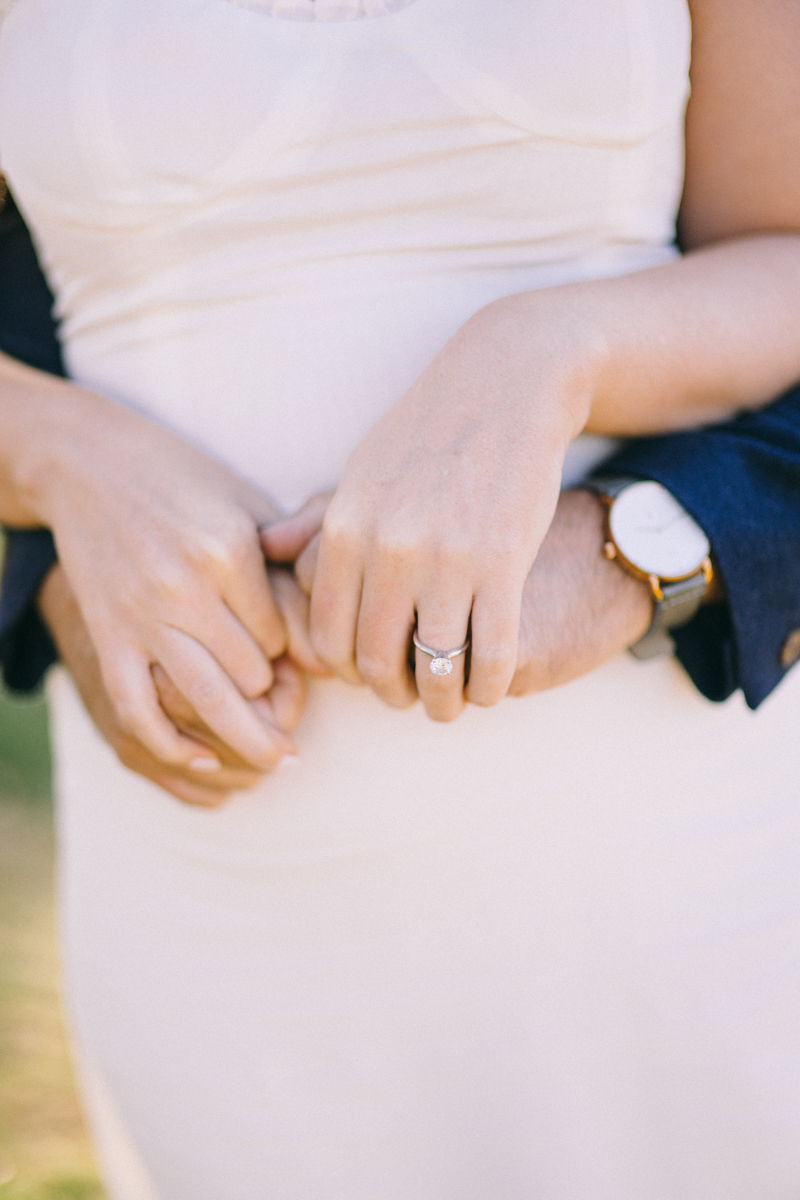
x=160, y=544
x=219, y=771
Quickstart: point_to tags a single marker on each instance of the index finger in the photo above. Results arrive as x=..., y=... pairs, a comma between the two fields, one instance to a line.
x=284, y=540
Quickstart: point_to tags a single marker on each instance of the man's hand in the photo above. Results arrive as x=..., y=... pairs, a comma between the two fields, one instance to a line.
x=206, y=781
x=578, y=609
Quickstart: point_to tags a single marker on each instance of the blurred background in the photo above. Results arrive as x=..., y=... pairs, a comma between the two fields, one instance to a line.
x=44, y=1151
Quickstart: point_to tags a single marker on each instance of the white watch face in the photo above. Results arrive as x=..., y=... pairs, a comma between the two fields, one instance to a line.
x=655, y=533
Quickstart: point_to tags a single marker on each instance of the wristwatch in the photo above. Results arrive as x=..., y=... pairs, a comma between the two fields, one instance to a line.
x=653, y=537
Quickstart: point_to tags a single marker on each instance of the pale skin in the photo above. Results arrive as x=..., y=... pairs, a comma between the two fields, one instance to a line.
x=446, y=502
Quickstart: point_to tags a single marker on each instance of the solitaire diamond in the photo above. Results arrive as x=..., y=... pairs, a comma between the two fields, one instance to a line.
x=441, y=665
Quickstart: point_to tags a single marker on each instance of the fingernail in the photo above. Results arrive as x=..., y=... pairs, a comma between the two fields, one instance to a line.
x=204, y=764
x=289, y=760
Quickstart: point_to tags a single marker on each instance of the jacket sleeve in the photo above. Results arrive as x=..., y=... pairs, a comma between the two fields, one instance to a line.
x=741, y=483
x=28, y=333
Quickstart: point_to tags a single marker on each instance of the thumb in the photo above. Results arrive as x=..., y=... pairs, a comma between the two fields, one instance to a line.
x=285, y=540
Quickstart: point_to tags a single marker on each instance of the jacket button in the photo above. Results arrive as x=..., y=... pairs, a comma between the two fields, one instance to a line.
x=790, y=651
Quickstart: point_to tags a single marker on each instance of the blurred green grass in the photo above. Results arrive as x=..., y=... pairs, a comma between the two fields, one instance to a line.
x=25, y=765
x=44, y=1151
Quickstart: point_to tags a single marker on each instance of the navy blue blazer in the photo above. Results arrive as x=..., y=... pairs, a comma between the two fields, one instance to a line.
x=740, y=480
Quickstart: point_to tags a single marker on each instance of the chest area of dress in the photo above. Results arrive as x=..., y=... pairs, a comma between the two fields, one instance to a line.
x=165, y=99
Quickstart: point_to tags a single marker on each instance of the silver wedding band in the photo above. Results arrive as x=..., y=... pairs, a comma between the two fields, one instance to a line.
x=441, y=660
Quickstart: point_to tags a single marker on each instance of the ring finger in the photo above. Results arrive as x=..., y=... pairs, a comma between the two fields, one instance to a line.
x=440, y=676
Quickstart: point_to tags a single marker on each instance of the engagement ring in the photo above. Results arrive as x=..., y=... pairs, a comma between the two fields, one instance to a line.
x=441, y=660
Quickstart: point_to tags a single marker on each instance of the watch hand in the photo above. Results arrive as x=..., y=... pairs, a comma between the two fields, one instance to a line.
x=660, y=528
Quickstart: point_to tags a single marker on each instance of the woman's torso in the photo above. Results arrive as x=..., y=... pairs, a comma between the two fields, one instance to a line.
x=260, y=229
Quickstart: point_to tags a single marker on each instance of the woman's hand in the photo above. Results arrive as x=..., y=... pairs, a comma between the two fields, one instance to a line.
x=578, y=608
x=442, y=509
x=207, y=782
x=160, y=545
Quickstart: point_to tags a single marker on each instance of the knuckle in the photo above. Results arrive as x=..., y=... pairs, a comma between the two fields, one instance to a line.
x=453, y=556
x=494, y=663
x=375, y=670
x=328, y=651
x=255, y=676
x=506, y=552
x=175, y=588
x=491, y=675
x=229, y=543
x=341, y=527
x=166, y=579
x=396, y=547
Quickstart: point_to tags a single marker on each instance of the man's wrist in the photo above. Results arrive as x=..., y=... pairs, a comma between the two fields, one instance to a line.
x=653, y=538
x=578, y=610
x=630, y=597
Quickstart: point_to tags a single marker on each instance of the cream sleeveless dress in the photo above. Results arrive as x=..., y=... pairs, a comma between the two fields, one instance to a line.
x=552, y=951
